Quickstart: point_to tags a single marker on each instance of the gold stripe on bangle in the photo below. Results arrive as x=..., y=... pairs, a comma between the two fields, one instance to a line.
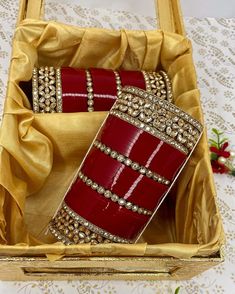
x=113, y=197
x=132, y=164
x=90, y=92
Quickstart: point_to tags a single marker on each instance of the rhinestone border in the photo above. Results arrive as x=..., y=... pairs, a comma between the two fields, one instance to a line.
x=76, y=218
x=158, y=117
x=113, y=197
x=118, y=83
x=130, y=163
x=147, y=81
x=169, y=95
x=59, y=90
x=90, y=92
x=151, y=130
x=35, y=90
x=46, y=90
x=156, y=84
x=165, y=104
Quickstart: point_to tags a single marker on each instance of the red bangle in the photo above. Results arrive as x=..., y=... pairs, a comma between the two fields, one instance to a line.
x=75, y=90
x=129, y=169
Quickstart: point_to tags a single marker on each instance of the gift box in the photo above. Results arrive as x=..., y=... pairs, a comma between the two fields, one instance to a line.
x=41, y=153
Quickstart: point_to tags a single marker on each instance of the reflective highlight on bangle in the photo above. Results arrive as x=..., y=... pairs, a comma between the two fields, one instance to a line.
x=112, y=196
x=130, y=163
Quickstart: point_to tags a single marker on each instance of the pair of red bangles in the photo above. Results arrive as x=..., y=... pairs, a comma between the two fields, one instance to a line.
x=135, y=157
x=133, y=161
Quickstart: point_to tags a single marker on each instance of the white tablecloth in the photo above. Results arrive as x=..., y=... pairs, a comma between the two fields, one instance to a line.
x=214, y=55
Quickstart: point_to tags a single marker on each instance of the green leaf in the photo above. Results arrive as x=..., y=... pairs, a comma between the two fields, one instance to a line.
x=213, y=142
x=177, y=290
x=215, y=131
x=218, y=133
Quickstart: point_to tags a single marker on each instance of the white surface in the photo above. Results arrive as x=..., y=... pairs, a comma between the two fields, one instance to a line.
x=144, y=7
x=214, y=54
x=196, y=8
x=211, y=8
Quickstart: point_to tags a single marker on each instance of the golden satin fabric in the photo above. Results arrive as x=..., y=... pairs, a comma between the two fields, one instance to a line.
x=39, y=153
